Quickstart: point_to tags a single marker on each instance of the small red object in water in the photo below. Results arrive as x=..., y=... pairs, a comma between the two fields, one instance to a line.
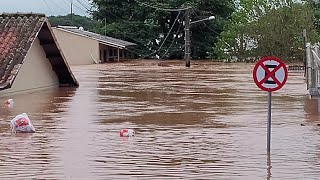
x=9, y=101
x=22, y=122
x=127, y=133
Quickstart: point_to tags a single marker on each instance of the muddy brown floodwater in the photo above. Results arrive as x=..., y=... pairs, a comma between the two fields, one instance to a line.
x=206, y=122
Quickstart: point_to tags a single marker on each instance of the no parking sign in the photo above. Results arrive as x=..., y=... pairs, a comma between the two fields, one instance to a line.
x=270, y=74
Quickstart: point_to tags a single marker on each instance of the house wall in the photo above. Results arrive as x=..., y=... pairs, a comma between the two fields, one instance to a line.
x=78, y=50
x=35, y=73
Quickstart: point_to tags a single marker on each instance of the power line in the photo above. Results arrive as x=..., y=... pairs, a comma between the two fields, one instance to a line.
x=166, y=51
x=58, y=6
x=85, y=2
x=78, y=7
x=173, y=40
x=159, y=8
x=130, y=22
x=66, y=4
x=167, y=34
x=83, y=5
x=47, y=6
x=204, y=22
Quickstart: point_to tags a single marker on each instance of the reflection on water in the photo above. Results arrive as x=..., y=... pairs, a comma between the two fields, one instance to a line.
x=312, y=110
x=206, y=122
x=269, y=166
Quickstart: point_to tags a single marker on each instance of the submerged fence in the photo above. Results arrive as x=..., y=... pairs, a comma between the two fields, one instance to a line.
x=296, y=68
x=313, y=69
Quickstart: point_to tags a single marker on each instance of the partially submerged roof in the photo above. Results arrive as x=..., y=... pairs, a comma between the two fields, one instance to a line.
x=17, y=33
x=113, y=42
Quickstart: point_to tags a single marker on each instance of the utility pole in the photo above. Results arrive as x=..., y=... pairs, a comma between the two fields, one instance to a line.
x=187, y=50
x=304, y=33
x=71, y=13
x=105, y=26
x=187, y=40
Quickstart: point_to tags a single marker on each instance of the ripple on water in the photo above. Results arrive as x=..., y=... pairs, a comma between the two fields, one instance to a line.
x=206, y=122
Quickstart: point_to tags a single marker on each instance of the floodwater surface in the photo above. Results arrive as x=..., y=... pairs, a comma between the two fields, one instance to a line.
x=205, y=122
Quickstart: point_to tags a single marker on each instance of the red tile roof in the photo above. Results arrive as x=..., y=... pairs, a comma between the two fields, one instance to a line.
x=17, y=33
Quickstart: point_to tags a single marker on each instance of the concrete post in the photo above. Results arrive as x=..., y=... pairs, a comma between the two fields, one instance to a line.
x=187, y=37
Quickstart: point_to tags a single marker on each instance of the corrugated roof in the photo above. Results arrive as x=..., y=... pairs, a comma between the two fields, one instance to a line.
x=18, y=31
x=102, y=39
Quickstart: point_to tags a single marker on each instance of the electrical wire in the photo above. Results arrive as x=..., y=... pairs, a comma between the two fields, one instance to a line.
x=158, y=8
x=167, y=34
x=78, y=7
x=204, y=22
x=174, y=38
x=65, y=3
x=48, y=7
x=154, y=7
x=167, y=50
x=83, y=5
x=125, y=20
x=58, y=6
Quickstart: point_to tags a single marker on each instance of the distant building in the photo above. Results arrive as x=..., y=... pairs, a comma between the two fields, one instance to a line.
x=83, y=47
x=30, y=58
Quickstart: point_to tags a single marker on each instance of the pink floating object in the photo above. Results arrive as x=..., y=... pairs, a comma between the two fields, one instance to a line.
x=127, y=133
x=9, y=101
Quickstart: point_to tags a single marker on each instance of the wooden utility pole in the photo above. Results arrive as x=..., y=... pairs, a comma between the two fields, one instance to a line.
x=187, y=51
x=105, y=26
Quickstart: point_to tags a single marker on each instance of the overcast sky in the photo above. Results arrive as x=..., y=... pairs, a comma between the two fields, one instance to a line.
x=49, y=7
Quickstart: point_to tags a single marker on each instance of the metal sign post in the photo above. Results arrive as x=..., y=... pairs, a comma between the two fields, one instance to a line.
x=269, y=123
x=270, y=74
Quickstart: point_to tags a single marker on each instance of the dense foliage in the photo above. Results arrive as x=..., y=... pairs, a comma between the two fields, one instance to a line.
x=261, y=28
x=148, y=23
x=76, y=20
x=243, y=30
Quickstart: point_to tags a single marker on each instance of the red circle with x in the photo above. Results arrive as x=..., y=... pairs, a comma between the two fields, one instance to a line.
x=277, y=66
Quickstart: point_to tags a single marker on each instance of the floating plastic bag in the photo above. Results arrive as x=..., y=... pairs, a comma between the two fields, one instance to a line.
x=127, y=133
x=22, y=123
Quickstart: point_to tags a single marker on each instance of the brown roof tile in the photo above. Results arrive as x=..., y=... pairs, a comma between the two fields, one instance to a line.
x=17, y=33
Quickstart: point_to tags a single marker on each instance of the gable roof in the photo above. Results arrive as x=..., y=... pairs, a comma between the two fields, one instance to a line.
x=113, y=42
x=17, y=33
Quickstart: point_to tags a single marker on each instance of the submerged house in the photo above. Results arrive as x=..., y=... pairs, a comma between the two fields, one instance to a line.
x=30, y=58
x=84, y=47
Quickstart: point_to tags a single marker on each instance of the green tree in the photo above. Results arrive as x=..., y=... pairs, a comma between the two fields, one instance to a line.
x=316, y=11
x=76, y=20
x=280, y=32
x=260, y=28
x=148, y=23
x=233, y=41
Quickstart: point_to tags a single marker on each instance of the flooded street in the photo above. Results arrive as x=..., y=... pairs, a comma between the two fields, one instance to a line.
x=206, y=122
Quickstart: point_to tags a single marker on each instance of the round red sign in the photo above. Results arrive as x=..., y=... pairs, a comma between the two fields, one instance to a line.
x=270, y=74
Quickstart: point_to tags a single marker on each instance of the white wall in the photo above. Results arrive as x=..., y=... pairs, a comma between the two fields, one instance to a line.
x=35, y=73
x=78, y=50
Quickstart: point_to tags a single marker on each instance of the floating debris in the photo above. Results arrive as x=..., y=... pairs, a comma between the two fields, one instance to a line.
x=127, y=133
x=22, y=124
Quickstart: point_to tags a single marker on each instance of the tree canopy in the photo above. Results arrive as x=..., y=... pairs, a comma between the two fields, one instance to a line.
x=260, y=28
x=243, y=30
x=157, y=26
x=74, y=20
